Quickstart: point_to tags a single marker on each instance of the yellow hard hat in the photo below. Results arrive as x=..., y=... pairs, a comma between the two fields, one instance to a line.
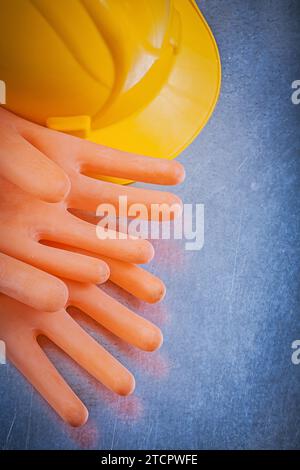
x=142, y=76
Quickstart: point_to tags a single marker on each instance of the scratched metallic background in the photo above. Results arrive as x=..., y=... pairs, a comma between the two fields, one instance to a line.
x=224, y=377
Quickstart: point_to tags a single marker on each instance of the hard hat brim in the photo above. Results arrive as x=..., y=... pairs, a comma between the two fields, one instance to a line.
x=167, y=125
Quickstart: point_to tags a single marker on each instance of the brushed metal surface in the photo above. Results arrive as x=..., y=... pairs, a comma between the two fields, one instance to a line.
x=224, y=377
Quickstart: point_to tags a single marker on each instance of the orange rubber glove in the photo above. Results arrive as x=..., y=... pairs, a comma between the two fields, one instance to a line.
x=78, y=157
x=26, y=220
x=21, y=325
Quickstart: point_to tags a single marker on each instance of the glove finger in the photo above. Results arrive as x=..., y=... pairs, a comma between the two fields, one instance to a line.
x=70, y=230
x=31, y=286
x=83, y=349
x=115, y=317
